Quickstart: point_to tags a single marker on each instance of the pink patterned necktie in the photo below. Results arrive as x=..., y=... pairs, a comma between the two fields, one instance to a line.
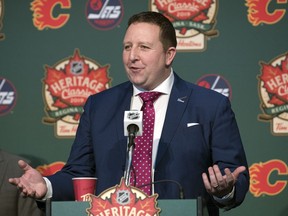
x=142, y=155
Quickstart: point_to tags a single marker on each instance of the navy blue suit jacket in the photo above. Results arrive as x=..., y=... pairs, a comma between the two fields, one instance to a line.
x=184, y=152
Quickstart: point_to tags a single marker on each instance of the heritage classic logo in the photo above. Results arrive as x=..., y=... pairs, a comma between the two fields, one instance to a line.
x=263, y=11
x=217, y=83
x=194, y=21
x=262, y=181
x=44, y=15
x=123, y=200
x=67, y=85
x=2, y=36
x=273, y=92
x=104, y=15
x=7, y=96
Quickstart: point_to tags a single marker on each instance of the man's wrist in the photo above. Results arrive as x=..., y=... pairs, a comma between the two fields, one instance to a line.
x=225, y=198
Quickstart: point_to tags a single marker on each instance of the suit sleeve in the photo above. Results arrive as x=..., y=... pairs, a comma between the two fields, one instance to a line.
x=80, y=162
x=227, y=149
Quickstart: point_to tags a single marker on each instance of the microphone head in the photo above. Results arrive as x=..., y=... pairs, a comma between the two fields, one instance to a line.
x=134, y=117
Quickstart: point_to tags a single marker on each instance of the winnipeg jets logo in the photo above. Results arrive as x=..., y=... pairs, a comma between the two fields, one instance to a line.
x=104, y=15
x=217, y=83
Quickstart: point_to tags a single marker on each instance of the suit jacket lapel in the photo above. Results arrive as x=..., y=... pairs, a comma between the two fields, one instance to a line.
x=177, y=104
x=121, y=108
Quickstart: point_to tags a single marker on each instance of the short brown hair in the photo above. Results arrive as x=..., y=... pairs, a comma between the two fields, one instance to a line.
x=167, y=31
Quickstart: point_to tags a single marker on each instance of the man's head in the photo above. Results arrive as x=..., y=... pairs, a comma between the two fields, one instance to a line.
x=167, y=31
x=149, y=47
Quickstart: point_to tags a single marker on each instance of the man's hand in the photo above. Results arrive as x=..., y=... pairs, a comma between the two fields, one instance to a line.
x=218, y=185
x=31, y=183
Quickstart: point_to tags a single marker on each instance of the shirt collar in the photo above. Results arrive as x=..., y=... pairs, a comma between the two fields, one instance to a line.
x=165, y=87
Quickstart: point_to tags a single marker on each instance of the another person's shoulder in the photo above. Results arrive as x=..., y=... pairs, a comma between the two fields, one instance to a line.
x=6, y=156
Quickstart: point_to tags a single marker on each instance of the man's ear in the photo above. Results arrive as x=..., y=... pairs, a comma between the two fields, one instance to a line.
x=170, y=54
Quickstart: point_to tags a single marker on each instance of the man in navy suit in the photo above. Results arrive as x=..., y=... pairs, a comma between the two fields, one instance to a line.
x=196, y=139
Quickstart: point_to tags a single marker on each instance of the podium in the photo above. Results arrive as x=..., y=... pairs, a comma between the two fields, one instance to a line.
x=171, y=207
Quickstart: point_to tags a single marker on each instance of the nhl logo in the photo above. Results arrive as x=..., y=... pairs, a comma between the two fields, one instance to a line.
x=123, y=197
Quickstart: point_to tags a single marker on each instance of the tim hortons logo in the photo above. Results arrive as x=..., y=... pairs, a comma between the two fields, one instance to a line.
x=67, y=85
x=273, y=92
x=2, y=36
x=193, y=20
x=123, y=200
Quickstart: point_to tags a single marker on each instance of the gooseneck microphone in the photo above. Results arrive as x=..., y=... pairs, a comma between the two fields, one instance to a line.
x=133, y=127
x=132, y=131
x=181, y=190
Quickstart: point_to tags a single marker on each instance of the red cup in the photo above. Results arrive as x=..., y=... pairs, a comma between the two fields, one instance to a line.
x=84, y=187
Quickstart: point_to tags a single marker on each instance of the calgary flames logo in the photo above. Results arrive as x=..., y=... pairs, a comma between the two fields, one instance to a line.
x=192, y=19
x=50, y=169
x=260, y=175
x=273, y=88
x=123, y=200
x=258, y=12
x=67, y=87
x=43, y=13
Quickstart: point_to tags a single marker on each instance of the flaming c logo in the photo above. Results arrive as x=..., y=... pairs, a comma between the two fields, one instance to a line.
x=261, y=175
x=258, y=12
x=43, y=13
x=50, y=169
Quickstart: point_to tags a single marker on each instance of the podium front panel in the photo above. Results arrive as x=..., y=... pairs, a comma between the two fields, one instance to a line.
x=168, y=208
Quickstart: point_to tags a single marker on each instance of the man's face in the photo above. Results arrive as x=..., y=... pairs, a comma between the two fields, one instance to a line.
x=144, y=58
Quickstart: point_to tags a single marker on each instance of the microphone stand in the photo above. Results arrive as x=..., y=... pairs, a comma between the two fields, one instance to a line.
x=129, y=154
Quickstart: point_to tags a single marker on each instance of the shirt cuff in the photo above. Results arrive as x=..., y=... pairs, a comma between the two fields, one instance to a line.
x=49, y=190
x=225, y=199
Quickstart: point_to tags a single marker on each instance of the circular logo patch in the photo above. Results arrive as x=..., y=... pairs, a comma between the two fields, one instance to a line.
x=104, y=15
x=7, y=96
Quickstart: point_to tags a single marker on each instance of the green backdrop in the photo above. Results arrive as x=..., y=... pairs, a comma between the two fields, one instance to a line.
x=234, y=54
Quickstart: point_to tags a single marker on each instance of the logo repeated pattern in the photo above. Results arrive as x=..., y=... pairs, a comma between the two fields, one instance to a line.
x=67, y=85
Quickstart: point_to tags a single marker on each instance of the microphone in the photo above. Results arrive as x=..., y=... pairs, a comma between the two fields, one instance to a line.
x=133, y=125
x=181, y=190
x=132, y=128
x=133, y=117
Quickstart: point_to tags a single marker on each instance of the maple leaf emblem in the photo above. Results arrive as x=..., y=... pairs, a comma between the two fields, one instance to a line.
x=275, y=81
x=185, y=9
x=123, y=200
x=69, y=86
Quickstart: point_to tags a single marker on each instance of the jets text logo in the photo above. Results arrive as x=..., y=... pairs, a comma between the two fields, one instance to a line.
x=7, y=96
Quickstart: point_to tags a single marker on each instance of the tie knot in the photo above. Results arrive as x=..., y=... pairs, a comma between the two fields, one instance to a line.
x=149, y=96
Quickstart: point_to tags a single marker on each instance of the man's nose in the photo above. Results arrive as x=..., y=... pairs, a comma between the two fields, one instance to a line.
x=134, y=54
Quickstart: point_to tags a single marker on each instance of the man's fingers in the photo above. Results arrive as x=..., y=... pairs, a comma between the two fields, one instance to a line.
x=206, y=181
x=23, y=165
x=238, y=171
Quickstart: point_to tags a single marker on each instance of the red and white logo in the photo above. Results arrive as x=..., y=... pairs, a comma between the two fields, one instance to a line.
x=273, y=92
x=193, y=20
x=123, y=200
x=264, y=11
x=67, y=85
x=44, y=16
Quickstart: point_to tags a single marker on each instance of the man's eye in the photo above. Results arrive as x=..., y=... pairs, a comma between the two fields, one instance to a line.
x=144, y=47
x=127, y=47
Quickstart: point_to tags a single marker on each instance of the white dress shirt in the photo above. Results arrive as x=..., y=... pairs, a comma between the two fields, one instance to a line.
x=160, y=107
